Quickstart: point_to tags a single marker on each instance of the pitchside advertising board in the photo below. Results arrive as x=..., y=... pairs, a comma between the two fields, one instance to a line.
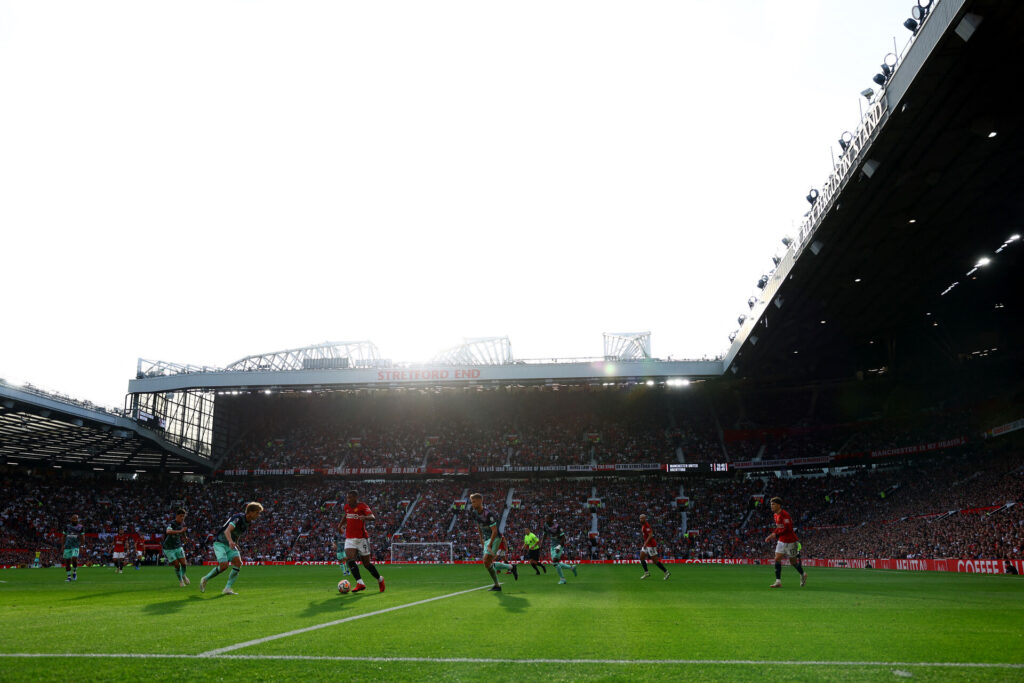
x=671, y=468
x=675, y=468
x=954, y=565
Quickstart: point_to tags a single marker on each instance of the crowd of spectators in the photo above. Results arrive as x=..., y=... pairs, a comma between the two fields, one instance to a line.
x=478, y=430
x=494, y=429
x=967, y=503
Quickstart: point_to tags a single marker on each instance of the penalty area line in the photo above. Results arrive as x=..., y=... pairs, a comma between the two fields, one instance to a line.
x=490, y=660
x=267, y=639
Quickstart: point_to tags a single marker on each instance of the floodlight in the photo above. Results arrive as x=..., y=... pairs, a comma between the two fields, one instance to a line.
x=812, y=196
x=763, y=282
x=910, y=25
x=845, y=139
x=733, y=335
x=787, y=242
x=741, y=319
x=982, y=262
x=1013, y=238
x=751, y=302
x=868, y=93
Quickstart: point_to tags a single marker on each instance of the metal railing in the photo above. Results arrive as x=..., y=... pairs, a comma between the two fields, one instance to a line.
x=60, y=397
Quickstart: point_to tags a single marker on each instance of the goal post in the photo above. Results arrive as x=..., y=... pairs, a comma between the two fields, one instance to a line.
x=437, y=553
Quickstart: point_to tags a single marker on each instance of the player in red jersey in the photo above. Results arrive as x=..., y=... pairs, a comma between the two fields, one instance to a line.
x=356, y=540
x=785, y=543
x=649, y=549
x=120, y=539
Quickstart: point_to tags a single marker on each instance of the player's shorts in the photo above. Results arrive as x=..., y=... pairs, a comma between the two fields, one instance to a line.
x=533, y=555
x=492, y=545
x=70, y=552
x=342, y=557
x=224, y=552
x=118, y=556
x=173, y=554
x=556, y=552
x=787, y=549
x=649, y=550
x=362, y=545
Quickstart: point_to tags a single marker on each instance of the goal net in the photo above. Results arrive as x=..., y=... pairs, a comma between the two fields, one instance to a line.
x=440, y=553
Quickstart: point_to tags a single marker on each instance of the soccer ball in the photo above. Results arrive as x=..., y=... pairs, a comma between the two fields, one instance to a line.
x=344, y=586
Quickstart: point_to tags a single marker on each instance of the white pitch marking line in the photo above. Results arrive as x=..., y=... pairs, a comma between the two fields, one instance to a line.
x=248, y=643
x=485, y=660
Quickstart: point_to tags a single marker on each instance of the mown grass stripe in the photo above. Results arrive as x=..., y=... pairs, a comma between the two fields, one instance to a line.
x=491, y=660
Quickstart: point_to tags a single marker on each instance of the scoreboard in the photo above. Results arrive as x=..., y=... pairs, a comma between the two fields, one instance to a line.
x=698, y=467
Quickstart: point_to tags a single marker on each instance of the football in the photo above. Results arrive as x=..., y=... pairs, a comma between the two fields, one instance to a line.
x=344, y=586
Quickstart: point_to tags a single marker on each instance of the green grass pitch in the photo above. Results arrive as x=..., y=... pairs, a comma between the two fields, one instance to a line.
x=605, y=625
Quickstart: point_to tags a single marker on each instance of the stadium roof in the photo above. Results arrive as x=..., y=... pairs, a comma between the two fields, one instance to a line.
x=933, y=194
x=518, y=372
x=37, y=429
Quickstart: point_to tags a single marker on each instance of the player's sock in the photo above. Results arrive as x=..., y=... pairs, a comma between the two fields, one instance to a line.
x=354, y=568
x=213, y=573
x=778, y=570
x=659, y=565
x=232, y=576
x=501, y=565
x=534, y=565
x=183, y=569
x=494, y=575
x=544, y=567
x=643, y=563
x=177, y=571
x=558, y=568
x=799, y=566
x=373, y=570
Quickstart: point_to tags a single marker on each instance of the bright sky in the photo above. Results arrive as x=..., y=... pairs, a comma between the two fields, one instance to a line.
x=197, y=181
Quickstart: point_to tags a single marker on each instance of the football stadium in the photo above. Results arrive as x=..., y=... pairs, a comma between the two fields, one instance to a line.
x=838, y=496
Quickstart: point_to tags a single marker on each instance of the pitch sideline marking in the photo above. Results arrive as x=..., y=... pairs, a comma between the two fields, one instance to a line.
x=257, y=641
x=487, y=660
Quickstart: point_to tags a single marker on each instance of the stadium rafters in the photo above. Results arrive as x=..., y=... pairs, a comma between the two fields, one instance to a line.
x=162, y=368
x=325, y=356
x=627, y=345
x=477, y=351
